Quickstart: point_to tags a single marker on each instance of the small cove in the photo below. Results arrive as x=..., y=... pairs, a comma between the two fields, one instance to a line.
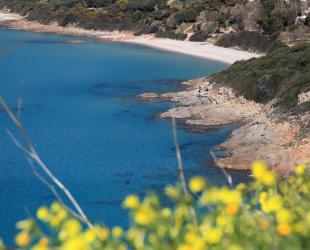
x=81, y=112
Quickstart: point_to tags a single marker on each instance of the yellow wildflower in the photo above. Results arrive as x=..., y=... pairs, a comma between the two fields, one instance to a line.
x=43, y=242
x=199, y=244
x=117, y=232
x=172, y=192
x=275, y=203
x=144, y=216
x=210, y=196
x=284, y=216
x=191, y=237
x=41, y=245
x=76, y=243
x=61, y=214
x=104, y=234
x=70, y=229
x=222, y=220
x=55, y=222
x=55, y=207
x=305, y=188
x=235, y=247
x=132, y=234
x=196, y=184
x=166, y=212
x=121, y=247
x=240, y=187
x=22, y=239
x=185, y=247
x=272, y=204
x=263, y=197
x=131, y=202
x=90, y=236
x=213, y=236
x=268, y=178
x=284, y=229
x=194, y=242
x=262, y=174
x=299, y=227
x=43, y=214
x=259, y=168
x=232, y=209
x=229, y=196
x=300, y=169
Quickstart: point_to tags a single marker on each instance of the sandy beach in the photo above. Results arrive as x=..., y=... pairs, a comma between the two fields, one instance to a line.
x=197, y=49
x=200, y=49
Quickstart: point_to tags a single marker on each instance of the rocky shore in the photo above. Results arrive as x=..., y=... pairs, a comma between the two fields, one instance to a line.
x=264, y=133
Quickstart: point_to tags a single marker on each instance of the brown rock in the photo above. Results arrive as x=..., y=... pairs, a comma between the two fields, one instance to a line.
x=75, y=41
x=149, y=95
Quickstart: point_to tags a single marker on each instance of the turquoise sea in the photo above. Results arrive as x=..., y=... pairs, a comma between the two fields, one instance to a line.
x=81, y=112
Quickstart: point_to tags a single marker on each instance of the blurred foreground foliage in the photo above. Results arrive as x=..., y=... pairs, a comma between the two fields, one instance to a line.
x=268, y=213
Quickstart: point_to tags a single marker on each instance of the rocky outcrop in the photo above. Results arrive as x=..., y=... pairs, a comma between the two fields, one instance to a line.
x=252, y=13
x=265, y=133
x=304, y=97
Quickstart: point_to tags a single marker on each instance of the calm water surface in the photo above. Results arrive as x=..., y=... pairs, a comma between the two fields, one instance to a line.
x=81, y=112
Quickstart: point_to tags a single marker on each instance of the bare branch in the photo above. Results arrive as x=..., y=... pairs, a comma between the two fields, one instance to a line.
x=32, y=154
x=20, y=100
x=180, y=168
x=179, y=156
x=52, y=189
x=227, y=176
x=16, y=142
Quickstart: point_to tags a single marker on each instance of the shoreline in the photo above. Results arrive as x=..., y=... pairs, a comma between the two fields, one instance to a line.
x=262, y=134
x=204, y=104
x=204, y=50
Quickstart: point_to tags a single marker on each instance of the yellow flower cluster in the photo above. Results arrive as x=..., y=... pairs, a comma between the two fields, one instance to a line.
x=268, y=213
x=262, y=174
x=197, y=184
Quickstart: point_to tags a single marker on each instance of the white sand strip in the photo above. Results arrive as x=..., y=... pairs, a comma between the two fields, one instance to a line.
x=199, y=49
x=4, y=17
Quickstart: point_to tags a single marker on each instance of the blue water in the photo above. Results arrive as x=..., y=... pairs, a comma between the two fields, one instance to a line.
x=81, y=113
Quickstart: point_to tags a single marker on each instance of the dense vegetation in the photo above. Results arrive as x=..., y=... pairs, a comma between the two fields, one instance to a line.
x=280, y=76
x=247, y=40
x=196, y=20
x=265, y=214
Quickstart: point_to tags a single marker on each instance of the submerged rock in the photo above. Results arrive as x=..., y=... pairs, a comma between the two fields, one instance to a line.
x=149, y=95
x=76, y=41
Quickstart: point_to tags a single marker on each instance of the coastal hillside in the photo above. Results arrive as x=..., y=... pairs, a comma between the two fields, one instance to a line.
x=270, y=96
x=282, y=77
x=198, y=20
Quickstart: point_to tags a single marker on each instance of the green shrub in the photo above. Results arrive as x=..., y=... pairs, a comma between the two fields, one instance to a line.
x=186, y=15
x=283, y=73
x=171, y=35
x=146, y=30
x=199, y=36
x=247, y=40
